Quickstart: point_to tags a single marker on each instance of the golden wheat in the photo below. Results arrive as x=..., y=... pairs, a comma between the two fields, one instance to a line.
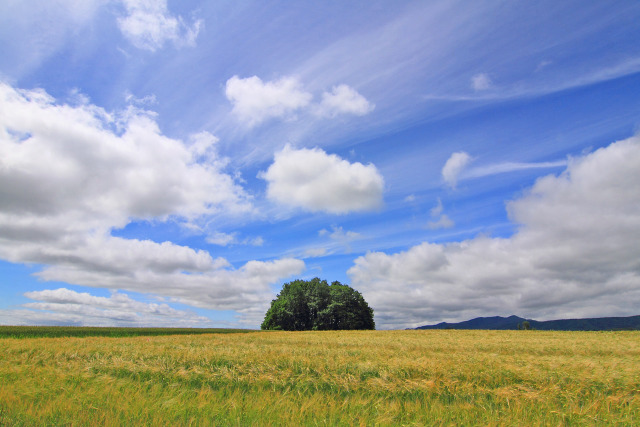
x=324, y=378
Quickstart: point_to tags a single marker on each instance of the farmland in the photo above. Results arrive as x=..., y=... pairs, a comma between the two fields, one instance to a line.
x=324, y=378
x=91, y=331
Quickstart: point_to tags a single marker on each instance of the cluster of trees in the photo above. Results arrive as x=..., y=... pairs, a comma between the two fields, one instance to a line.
x=524, y=326
x=315, y=305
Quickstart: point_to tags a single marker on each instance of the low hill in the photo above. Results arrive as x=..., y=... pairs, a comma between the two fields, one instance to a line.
x=512, y=322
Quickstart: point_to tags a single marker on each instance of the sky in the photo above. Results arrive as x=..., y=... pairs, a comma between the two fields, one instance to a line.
x=173, y=163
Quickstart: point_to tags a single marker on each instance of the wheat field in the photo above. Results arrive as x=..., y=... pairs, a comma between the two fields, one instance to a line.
x=324, y=378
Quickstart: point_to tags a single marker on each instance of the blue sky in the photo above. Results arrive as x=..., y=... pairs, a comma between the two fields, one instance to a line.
x=173, y=163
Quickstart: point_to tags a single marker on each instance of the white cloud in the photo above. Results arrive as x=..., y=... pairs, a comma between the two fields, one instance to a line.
x=443, y=222
x=316, y=181
x=142, y=102
x=255, y=101
x=454, y=166
x=437, y=209
x=148, y=25
x=226, y=239
x=506, y=167
x=338, y=233
x=189, y=276
x=344, y=100
x=575, y=254
x=183, y=274
x=73, y=167
x=315, y=252
x=71, y=174
x=481, y=82
x=256, y=241
x=221, y=239
x=64, y=306
x=340, y=236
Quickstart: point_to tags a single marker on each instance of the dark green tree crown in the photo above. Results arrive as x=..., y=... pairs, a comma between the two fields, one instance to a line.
x=315, y=305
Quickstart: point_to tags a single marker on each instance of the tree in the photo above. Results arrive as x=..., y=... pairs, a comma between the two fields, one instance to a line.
x=525, y=326
x=314, y=305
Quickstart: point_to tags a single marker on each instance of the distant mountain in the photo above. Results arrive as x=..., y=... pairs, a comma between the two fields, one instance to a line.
x=512, y=322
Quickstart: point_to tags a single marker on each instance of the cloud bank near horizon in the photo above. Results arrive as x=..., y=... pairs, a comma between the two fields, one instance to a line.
x=575, y=254
x=67, y=307
x=62, y=197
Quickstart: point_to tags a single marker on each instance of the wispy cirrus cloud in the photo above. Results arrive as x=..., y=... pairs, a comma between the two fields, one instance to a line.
x=506, y=167
x=457, y=168
x=340, y=237
x=226, y=239
x=315, y=252
x=481, y=82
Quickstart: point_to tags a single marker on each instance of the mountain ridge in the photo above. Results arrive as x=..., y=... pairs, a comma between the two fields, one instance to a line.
x=513, y=322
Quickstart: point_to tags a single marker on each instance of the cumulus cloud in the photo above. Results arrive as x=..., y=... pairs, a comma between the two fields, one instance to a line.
x=481, y=82
x=575, y=254
x=148, y=24
x=69, y=175
x=82, y=167
x=214, y=285
x=454, y=166
x=64, y=306
x=344, y=100
x=316, y=181
x=255, y=101
x=180, y=273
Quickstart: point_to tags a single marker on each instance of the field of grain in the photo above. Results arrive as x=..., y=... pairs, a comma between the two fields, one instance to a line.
x=97, y=331
x=324, y=378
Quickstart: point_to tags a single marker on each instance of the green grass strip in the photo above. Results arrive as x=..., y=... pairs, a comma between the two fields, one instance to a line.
x=94, y=331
